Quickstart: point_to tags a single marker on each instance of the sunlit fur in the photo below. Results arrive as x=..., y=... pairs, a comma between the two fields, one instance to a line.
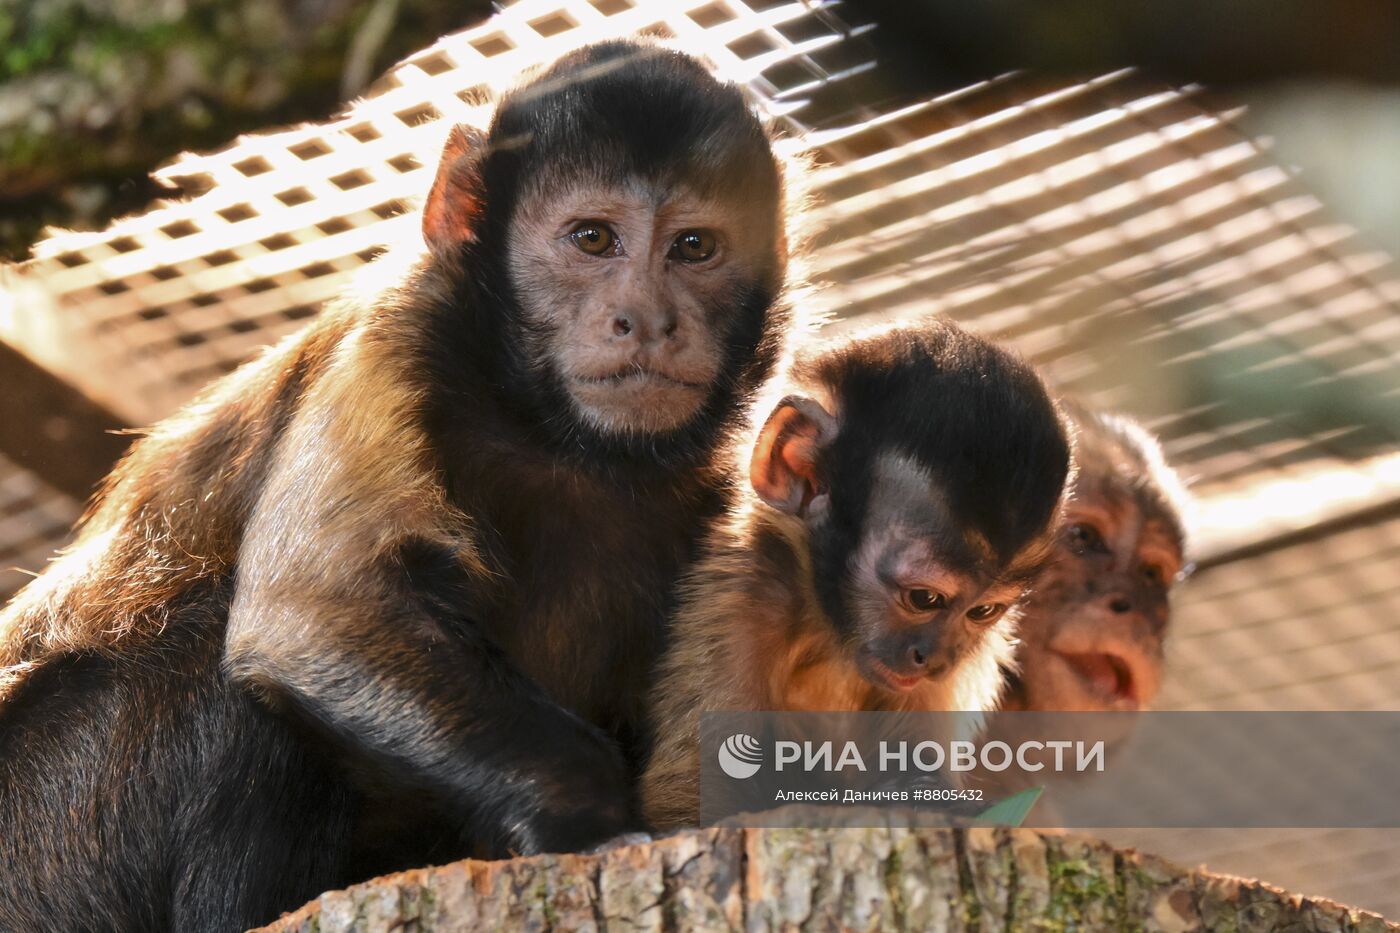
x=1092, y=634
x=949, y=458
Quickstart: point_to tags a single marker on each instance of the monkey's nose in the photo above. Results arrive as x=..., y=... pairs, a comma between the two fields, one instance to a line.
x=922, y=661
x=1120, y=604
x=643, y=328
x=922, y=649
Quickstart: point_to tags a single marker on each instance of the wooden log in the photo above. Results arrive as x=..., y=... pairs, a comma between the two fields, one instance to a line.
x=786, y=880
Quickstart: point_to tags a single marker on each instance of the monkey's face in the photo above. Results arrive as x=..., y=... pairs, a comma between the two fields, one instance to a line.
x=927, y=479
x=923, y=593
x=1092, y=633
x=632, y=295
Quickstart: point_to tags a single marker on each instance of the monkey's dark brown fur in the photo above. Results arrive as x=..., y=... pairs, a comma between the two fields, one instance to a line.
x=903, y=499
x=1092, y=634
x=411, y=567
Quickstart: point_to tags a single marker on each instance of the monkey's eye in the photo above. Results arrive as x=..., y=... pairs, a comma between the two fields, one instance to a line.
x=594, y=238
x=1084, y=538
x=988, y=612
x=694, y=246
x=920, y=600
x=1154, y=575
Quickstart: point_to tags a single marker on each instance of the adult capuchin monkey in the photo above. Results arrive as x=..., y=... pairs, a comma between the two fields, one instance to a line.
x=422, y=552
x=1093, y=631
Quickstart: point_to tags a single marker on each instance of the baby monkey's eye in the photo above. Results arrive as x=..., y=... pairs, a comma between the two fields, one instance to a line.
x=988, y=612
x=919, y=600
x=594, y=238
x=694, y=246
x=1084, y=537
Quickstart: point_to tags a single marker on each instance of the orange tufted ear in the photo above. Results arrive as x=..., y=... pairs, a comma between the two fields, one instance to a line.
x=783, y=470
x=456, y=200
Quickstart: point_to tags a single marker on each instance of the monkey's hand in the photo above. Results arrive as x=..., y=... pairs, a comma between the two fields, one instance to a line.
x=427, y=703
x=621, y=841
x=445, y=714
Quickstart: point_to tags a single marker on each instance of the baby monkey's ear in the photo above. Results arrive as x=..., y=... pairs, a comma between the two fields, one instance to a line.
x=784, y=466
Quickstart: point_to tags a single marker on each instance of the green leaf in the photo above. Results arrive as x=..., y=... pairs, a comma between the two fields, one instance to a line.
x=1011, y=811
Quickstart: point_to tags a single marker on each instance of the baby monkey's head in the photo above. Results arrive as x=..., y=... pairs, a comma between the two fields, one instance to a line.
x=925, y=468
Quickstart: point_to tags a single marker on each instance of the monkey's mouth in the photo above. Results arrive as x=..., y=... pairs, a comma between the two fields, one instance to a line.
x=637, y=399
x=885, y=677
x=1106, y=675
x=636, y=375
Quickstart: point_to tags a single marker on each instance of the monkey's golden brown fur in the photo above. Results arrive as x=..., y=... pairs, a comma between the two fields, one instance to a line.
x=746, y=642
x=142, y=542
x=173, y=512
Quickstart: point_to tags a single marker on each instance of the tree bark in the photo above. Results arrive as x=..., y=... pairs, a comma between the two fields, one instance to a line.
x=826, y=879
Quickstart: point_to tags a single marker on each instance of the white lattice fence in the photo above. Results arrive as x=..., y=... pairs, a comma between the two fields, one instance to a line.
x=158, y=304
x=1120, y=233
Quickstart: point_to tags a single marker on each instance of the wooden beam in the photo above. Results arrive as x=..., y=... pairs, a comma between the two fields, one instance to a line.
x=51, y=428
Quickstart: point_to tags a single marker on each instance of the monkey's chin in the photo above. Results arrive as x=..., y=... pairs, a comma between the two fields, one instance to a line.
x=639, y=403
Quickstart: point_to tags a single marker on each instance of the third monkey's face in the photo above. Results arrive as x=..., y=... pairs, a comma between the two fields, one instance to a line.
x=634, y=295
x=1092, y=634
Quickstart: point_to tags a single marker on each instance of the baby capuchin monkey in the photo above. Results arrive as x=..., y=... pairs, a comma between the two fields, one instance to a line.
x=902, y=498
x=1091, y=635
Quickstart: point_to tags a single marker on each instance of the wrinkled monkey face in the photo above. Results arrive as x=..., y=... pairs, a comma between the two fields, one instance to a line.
x=1092, y=634
x=924, y=594
x=630, y=294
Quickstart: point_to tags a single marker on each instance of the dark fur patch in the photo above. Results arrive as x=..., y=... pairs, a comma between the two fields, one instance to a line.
x=618, y=112
x=144, y=792
x=978, y=419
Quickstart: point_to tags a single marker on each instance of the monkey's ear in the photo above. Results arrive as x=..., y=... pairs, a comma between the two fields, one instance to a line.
x=783, y=470
x=455, y=202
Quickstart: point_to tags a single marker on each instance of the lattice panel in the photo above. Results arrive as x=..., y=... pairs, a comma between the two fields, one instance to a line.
x=1314, y=626
x=159, y=304
x=34, y=522
x=1123, y=235
x=1137, y=247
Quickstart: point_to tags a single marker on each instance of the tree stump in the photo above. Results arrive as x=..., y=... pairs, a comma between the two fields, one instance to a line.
x=826, y=879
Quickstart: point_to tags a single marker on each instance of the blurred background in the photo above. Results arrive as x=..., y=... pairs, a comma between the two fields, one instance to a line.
x=1186, y=210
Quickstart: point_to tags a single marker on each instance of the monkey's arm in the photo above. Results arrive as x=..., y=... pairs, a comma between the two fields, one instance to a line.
x=346, y=610
x=670, y=788
x=443, y=715
x=700, y=671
